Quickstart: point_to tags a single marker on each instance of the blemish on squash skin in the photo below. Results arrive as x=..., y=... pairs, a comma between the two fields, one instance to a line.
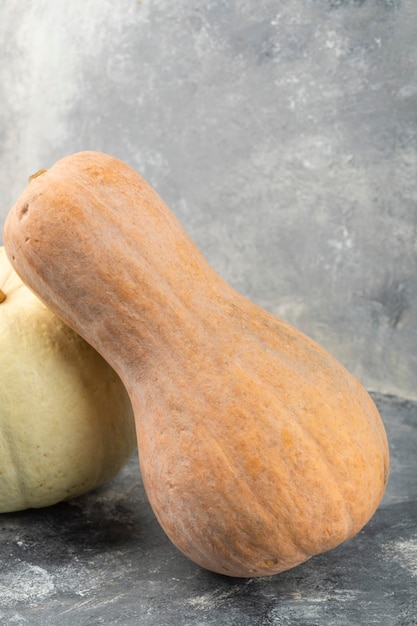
x=23, y=211
x=2, y=296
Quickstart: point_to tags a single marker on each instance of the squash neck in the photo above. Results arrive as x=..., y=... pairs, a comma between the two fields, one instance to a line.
x=172, y=326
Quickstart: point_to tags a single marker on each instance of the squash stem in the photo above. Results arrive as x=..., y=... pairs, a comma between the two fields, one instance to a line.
x=38, y=173
x=2, y=296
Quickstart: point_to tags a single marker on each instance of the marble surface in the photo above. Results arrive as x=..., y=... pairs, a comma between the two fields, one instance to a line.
x=103, y=559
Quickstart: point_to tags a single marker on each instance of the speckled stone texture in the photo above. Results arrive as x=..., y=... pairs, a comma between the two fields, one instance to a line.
x=103, y=559
x=282, y=134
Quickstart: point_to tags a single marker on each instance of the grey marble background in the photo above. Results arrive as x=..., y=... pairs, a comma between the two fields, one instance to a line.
x=282, y=134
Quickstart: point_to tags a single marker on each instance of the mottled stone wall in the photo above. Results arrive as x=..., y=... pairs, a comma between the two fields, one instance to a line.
x=282, y=134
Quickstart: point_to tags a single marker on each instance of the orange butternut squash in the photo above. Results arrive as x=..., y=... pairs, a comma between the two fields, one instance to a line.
x=257, y=448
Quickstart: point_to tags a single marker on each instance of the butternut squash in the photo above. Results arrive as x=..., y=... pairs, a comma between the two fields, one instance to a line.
x=257, y=448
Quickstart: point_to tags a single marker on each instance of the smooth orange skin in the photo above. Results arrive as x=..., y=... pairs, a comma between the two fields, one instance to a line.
x=257, y=448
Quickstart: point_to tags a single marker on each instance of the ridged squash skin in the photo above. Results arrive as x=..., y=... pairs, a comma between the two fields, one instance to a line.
x=66, y=421
x=257, y=448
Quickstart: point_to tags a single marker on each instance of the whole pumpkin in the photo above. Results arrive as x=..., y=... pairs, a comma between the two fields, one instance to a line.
x=257, y=448
x=66, y=421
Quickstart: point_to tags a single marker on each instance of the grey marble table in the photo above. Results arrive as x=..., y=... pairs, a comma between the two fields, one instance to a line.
x=103, y=559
